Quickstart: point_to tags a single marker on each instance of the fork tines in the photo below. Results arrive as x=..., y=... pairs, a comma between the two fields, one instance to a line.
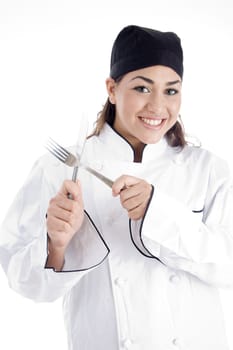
x=57, y=150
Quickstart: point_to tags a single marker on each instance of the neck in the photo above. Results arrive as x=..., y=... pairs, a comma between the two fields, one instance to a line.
x=138, y=152
x=138, y=147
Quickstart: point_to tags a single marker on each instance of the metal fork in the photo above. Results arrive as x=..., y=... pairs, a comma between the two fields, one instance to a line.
x=71, y=160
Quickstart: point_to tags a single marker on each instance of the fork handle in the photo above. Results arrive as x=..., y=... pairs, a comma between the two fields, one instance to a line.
x=75, y=173
x=74, y=178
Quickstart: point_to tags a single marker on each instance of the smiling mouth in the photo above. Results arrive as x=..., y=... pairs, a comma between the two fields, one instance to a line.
x=152, y=122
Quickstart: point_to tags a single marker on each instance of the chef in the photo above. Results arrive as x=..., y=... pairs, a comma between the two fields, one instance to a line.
x=139, y=265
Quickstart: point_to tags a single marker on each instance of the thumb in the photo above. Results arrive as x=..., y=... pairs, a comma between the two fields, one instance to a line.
x=122, y=183
x=71, y=189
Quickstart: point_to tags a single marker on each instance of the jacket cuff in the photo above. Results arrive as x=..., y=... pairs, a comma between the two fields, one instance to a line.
x=136, y=228
x=86, y=250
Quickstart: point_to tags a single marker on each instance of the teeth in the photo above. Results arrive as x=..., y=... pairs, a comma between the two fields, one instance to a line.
x=153, y=122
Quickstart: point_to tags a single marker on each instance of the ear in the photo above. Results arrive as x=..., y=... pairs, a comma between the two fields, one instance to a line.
x=110, y=86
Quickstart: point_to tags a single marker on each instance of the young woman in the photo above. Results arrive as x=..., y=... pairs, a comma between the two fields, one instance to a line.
x=139, y=266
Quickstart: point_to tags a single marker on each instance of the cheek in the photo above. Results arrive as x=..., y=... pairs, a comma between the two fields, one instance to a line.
x=175, y=108
x=126, y=104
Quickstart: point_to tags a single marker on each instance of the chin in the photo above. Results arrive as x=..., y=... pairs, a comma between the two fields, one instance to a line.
x=153, y=140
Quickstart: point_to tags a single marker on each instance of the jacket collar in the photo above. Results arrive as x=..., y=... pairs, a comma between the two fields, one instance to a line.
x=121, y=148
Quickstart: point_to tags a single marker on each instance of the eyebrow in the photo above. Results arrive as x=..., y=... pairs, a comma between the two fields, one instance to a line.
x=150, y=81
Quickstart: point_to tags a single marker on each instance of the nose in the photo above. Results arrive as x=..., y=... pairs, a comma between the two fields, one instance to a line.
x=156, y=103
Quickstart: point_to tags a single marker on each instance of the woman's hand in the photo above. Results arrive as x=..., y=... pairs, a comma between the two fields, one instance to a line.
x=134, y=194
x=64, y=219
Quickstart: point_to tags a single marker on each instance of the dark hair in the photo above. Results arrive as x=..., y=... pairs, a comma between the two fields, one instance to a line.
x=175, y=136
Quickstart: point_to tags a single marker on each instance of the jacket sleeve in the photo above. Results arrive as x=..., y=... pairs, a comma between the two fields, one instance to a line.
x=23, y=244
x=200, y=243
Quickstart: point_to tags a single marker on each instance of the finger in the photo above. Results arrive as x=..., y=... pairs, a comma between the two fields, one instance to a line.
x=62, y=202
x=61, y=213
x=137, y=213
x=57, y=226
x=122, y=183
x=60, y=239
x=133, y=201
x=130, y=192
x=71, y=188
x=140, y=190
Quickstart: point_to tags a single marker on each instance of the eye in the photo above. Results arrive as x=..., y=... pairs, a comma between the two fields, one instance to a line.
x=171, y=92
x=142, y=89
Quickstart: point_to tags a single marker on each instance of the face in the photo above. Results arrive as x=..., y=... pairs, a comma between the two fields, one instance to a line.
x=147, y=103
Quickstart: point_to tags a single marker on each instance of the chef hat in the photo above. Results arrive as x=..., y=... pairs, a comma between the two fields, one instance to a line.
x=138, y=47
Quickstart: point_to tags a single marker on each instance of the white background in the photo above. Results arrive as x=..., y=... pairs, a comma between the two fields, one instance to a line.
x=54, y=58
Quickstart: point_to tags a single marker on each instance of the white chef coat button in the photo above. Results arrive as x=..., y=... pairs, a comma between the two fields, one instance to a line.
x=178, y=160
x=175, y=342
x=174, y=278
x=119, y=281
x=126, y=344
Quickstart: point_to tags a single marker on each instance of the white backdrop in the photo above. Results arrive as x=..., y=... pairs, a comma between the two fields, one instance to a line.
x=54, y=58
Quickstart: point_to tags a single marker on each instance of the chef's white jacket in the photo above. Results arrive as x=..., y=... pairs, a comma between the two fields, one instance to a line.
x=150, y=284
